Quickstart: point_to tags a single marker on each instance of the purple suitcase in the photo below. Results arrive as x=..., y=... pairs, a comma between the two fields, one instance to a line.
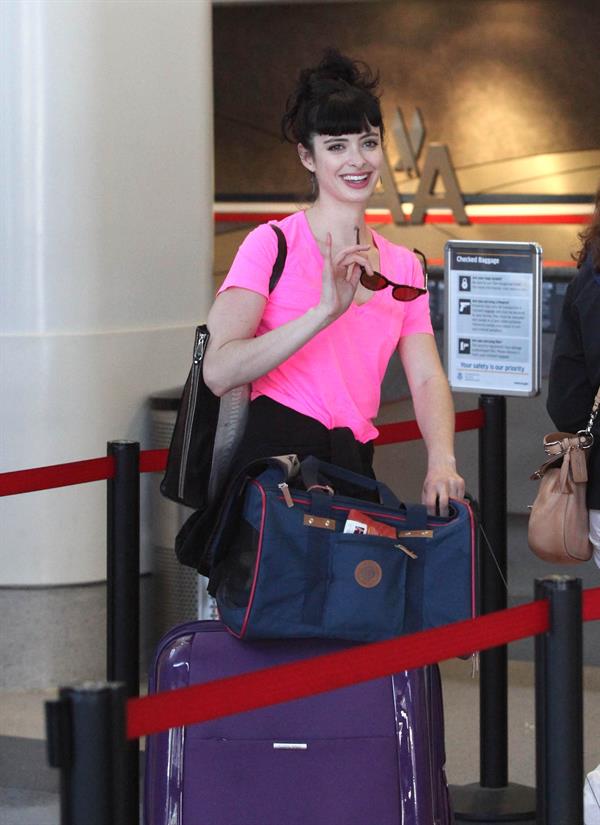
x=369, y=754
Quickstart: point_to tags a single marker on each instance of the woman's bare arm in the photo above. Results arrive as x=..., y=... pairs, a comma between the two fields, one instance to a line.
x=434, y=410
x=234, y=356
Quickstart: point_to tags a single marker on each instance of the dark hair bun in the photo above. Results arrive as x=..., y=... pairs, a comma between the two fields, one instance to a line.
x=336, y=66
x=335, y=97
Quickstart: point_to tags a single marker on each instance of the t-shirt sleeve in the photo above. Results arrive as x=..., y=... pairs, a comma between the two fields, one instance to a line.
x=253, y=263
x=416, y=313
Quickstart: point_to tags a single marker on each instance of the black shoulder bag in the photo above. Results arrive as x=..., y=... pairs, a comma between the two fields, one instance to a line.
x=207, y=428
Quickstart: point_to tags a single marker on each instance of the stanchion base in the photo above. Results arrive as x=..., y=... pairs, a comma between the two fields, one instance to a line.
x=511, y=803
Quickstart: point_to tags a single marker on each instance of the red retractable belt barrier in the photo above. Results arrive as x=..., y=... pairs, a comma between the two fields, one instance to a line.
x=297, y=680
x=155, y=461
x=409, y=430
x=56, y=475
x=74, y=472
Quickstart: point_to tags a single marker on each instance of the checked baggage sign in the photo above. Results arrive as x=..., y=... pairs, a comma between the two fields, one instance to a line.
x=493, y=307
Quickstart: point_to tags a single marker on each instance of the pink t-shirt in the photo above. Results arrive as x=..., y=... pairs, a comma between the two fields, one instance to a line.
x=336, y=376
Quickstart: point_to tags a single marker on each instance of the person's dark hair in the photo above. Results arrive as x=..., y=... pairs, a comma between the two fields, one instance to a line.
x=590, y=238
x=337, y=97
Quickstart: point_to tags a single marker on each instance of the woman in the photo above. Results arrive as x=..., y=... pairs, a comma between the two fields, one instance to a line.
x=316, y=349
x=575, y=366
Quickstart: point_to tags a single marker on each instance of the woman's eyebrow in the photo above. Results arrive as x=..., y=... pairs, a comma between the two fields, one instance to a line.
x=345, y=139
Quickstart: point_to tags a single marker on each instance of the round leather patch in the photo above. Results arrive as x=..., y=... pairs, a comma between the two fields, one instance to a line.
x=368, y=573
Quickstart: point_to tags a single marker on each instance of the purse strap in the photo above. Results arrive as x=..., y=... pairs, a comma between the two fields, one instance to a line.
x=594, y=412
x=557, y=444
x=280, y=259
x=571, y=449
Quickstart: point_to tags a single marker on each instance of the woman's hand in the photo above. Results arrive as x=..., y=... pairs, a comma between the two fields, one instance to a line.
x=341, y=274
x=441, y=483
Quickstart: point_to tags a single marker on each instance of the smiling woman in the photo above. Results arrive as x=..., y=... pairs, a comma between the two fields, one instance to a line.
x=316, y=348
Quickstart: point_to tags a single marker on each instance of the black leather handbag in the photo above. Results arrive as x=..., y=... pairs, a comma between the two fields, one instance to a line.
x=208, y=429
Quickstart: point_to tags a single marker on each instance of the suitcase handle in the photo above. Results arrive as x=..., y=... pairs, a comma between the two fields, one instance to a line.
x=316, y=473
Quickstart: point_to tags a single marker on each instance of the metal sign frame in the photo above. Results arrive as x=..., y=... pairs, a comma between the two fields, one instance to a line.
x=492, y=329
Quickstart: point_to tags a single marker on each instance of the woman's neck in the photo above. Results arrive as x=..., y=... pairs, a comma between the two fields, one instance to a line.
x=340, y=221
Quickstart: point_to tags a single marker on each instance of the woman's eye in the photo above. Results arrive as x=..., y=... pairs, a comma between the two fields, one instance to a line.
x=335, y=147
x=371, y=144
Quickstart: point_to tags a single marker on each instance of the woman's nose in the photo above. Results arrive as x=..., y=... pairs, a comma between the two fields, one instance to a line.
x=356, y=158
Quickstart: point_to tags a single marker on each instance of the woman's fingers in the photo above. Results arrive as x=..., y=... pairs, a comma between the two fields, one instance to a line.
x=352, y=260
x=358, y=251
x=437, y=503
x=341, y=275
x=353, y=274
x=438, y=491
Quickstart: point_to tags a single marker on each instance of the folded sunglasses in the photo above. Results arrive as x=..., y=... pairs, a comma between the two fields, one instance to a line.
x=401, y=292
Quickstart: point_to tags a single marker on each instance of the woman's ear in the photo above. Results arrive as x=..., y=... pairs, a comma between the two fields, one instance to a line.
x=306, y=158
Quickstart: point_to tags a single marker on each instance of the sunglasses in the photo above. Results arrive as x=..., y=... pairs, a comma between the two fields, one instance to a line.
x=401, y=292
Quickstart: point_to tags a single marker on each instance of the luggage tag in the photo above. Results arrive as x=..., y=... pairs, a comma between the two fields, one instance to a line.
x=356, y=527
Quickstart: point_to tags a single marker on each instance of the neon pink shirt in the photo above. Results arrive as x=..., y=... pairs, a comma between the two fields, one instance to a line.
x=335, y=377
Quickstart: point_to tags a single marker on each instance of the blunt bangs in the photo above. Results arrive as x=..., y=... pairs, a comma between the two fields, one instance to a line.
x=346, y=112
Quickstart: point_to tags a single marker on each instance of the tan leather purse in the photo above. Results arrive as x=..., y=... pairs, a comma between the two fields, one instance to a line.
x=559, y=522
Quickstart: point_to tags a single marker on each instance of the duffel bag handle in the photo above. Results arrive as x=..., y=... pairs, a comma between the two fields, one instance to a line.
x=313, y=471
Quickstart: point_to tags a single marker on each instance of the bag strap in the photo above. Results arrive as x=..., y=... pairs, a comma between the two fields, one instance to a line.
x=594, y=412
x=557, y=444
x=571, y=449
x=280, y=259
x=202, y=333
x=316, y=473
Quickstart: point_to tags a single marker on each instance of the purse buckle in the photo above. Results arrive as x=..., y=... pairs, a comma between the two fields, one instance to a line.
x=586, y=439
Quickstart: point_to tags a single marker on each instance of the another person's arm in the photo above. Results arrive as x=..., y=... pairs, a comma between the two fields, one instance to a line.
x=434, y=411
x=570, y=393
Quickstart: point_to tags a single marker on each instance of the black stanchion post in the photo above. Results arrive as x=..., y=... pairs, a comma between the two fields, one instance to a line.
x=493, y=683
x=559, y=704
x=123, y=583
x=494, y=799
x=86, y=740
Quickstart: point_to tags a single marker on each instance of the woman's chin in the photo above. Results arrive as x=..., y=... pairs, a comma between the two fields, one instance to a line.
x=355, y=194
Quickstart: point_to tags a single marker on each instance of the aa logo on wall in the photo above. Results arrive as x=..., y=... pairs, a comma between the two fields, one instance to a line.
x=403, y=155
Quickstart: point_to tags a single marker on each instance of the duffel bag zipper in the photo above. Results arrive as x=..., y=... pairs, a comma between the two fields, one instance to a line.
x=292, y=500
x=287, y=497
x=285, y=492
x=199, y=348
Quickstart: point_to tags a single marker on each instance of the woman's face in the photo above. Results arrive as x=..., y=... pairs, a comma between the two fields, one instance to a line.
x=346, y=166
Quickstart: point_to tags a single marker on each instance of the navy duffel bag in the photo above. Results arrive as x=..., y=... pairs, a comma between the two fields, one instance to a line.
x=300, y=557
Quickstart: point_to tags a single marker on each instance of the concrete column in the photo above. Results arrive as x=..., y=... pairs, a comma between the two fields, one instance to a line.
x=106, y=203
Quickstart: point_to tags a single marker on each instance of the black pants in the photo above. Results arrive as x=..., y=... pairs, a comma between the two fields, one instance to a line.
x=274, y=429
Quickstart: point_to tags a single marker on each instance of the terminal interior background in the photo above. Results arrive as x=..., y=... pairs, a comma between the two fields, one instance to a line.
x=127, y=121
